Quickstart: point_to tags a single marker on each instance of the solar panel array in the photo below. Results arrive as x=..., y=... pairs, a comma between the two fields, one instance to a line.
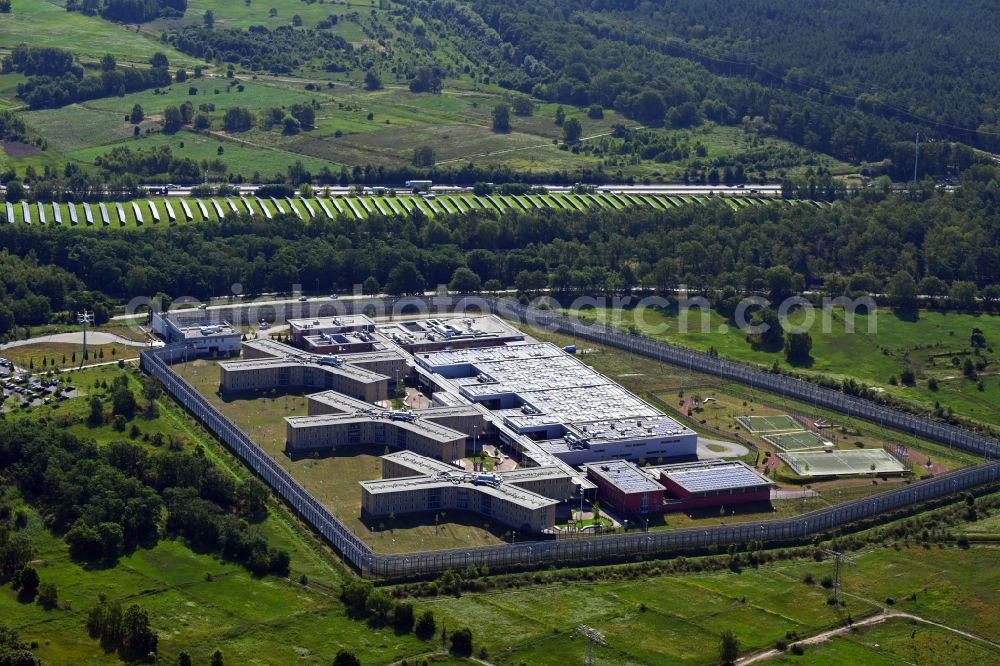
x=713, y=478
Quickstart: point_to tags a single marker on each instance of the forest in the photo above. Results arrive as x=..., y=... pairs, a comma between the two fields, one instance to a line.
x=640, y=59
x=890, y=58
x=31, y=293
x=279, y=51
x=105, y=502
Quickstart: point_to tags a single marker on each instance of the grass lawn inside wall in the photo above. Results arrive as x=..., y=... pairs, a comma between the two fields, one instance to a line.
x=333, y=478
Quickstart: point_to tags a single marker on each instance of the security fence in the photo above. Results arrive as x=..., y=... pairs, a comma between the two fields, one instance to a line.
x=597, y=548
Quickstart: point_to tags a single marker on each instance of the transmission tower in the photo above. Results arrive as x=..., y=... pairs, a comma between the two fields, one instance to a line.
x=916, y=158
x=838, y=565
x=85, y=318
x=593, y=636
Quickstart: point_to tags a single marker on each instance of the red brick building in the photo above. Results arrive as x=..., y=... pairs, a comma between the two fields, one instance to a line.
x=711, y=483
x=625, y=488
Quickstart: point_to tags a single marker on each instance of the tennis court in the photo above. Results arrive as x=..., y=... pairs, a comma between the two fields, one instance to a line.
x=772, y=423
x=798, y=441
x=842, y=463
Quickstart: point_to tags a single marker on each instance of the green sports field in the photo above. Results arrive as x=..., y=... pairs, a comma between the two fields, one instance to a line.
x=842, y=463
x=798, y=441
x=769, y=423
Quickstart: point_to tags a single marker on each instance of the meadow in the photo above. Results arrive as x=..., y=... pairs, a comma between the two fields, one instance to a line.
x=44, y=356
x=47, y=23
x=678, y=619
x=237, y=14
x=895, y=642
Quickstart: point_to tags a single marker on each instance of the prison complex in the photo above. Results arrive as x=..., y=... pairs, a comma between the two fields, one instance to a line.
x=571, y=430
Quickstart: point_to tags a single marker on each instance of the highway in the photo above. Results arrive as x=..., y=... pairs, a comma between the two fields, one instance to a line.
x=336, y=190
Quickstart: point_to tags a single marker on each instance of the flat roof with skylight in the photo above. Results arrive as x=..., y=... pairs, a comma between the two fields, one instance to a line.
x=712, y=476
x=442, y=331
x=624, y=476
x=579, y=415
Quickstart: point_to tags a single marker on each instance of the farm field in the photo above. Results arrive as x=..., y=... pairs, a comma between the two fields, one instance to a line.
x=881, y=348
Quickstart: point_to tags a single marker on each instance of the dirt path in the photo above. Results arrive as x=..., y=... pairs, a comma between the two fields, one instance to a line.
x=879, y=618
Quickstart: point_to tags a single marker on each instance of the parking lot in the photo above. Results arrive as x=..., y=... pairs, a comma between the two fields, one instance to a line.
x=27, y=391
